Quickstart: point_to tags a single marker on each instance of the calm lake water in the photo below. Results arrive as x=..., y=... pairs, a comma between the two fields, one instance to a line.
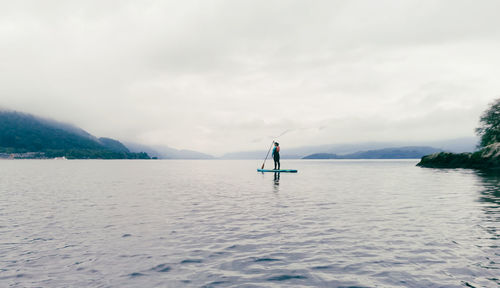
x=221, y=224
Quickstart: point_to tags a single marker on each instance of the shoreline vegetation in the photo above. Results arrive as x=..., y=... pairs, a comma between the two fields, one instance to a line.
x=487, y=158
x=74, y=154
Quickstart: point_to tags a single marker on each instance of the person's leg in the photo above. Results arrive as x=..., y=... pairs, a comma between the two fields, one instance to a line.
x=279, y=164
x=274, y=163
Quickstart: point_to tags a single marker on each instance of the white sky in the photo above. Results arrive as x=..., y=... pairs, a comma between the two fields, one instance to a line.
x=221, y=76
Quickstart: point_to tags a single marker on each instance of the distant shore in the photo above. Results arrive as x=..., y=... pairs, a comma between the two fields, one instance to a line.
x=75, y=154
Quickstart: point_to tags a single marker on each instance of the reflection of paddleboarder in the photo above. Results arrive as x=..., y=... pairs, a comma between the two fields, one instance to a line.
x=276, y=155
x=276, y=178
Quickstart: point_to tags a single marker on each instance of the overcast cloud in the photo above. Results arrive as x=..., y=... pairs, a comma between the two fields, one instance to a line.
x=221, y=76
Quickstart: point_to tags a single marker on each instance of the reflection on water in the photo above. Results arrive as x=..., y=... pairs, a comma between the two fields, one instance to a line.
x=219, y=224
x=489, y=196
x=490, y=191
x=276, y=182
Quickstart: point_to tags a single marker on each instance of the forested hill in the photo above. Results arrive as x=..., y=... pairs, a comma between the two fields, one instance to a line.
x=21, y=133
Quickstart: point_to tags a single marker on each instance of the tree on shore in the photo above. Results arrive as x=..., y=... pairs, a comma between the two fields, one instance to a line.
x=489, y=129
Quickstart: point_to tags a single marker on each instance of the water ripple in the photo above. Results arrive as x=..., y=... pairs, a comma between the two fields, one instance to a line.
x=220, y=224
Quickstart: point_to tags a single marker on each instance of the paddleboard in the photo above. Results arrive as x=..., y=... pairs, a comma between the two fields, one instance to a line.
x=282, y=170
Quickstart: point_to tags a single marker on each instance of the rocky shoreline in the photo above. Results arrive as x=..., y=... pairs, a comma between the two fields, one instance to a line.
x=487, y=158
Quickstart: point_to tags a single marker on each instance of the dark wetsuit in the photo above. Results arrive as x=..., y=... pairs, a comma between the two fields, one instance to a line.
x=276, y=157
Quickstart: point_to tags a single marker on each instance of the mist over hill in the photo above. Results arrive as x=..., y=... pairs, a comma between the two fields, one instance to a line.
x=165, y=152
x=22, y=133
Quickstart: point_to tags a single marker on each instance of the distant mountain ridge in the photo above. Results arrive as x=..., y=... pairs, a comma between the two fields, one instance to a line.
x=165, y=152
x=412, y=152
x=467, y=144
x=22, y=133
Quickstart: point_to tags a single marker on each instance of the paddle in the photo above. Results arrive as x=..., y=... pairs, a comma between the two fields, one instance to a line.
x=267, y=155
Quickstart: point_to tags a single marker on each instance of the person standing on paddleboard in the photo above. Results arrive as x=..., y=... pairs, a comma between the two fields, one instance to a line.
x=276, y=155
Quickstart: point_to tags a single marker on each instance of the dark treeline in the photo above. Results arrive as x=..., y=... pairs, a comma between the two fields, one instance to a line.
x=22, y=133
x=488, y=156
